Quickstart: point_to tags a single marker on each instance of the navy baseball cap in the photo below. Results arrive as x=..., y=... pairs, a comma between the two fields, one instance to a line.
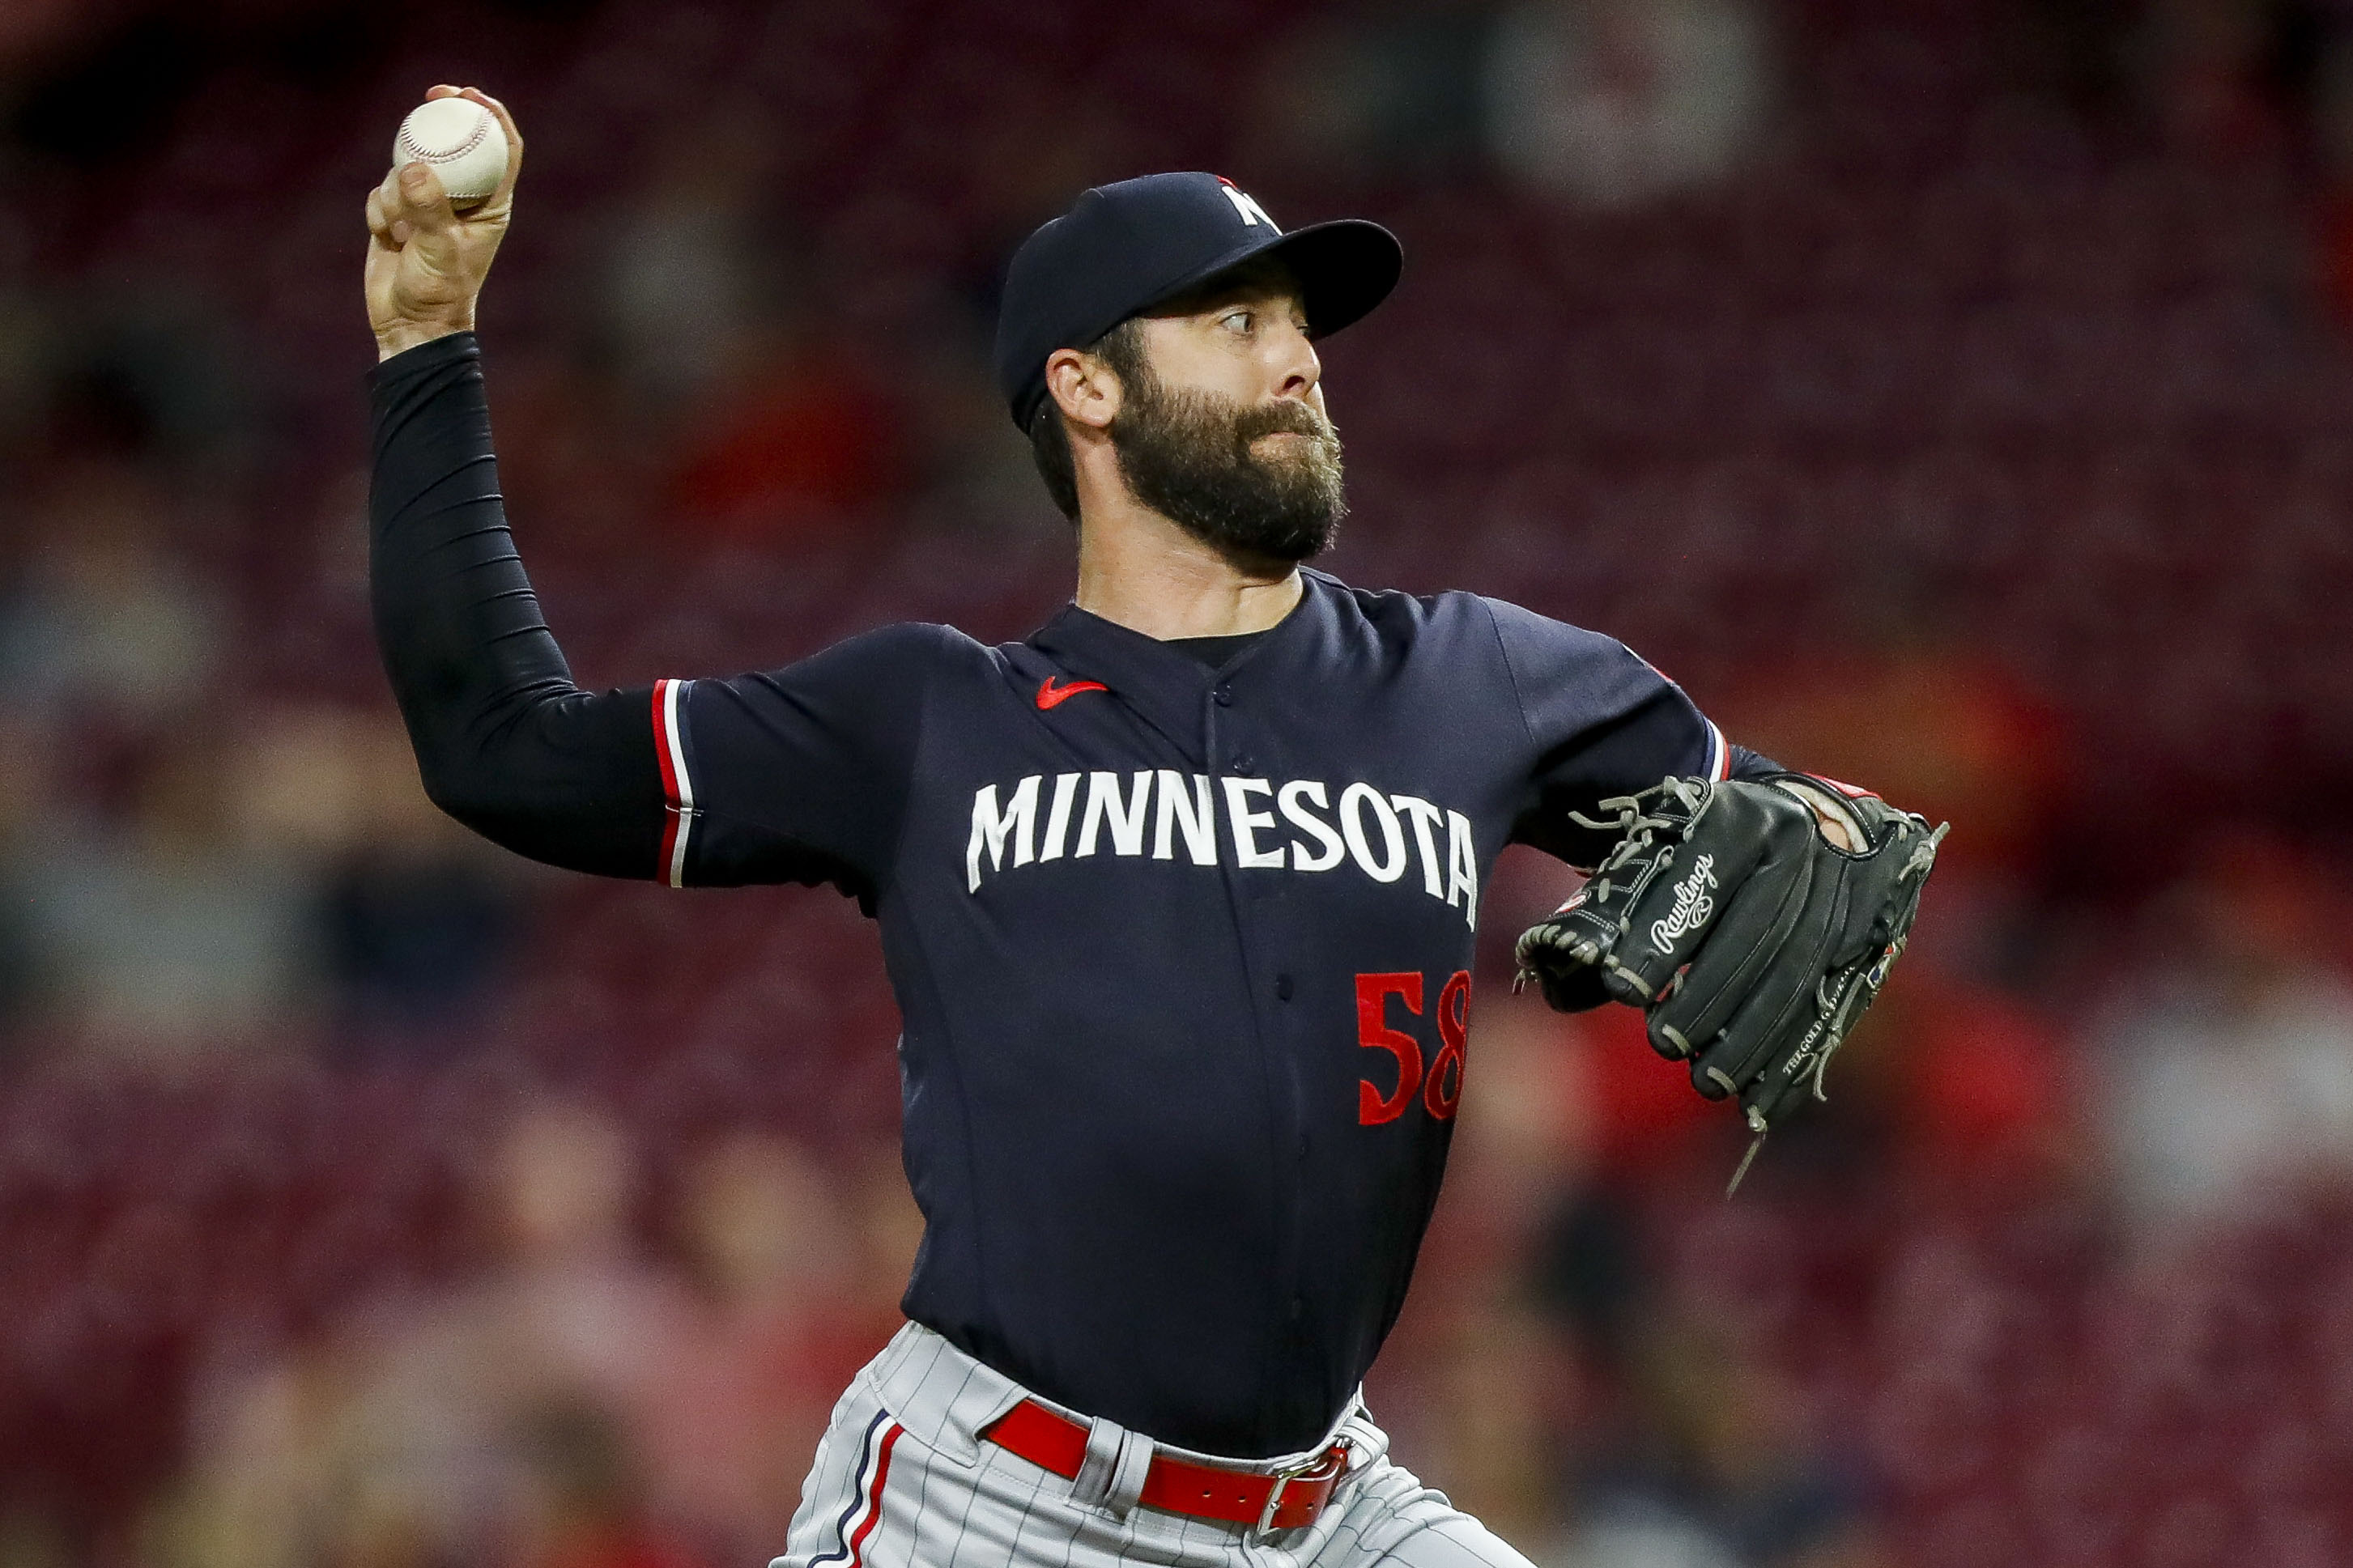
x=1124, y=249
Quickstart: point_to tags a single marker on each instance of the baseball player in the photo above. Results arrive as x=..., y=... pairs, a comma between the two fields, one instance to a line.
x=1178, y=895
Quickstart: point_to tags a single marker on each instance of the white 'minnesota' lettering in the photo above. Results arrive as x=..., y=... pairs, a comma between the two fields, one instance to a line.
x=1057, y=816
x=990, y=826
x=1372, y=827
x=1461, y=867
x=1329, y=851
x=1424, y=819
x=1353, y=801
x=1245, y=823
x=1191, y=813
x=1126, y=819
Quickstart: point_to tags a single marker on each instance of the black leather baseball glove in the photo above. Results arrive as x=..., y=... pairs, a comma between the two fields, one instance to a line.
x=1751, y=941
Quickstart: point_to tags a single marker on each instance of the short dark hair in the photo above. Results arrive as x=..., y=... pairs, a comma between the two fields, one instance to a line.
x=1122, y=348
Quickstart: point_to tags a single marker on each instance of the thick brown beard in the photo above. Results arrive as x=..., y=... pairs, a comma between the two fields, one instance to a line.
x=1187, y=455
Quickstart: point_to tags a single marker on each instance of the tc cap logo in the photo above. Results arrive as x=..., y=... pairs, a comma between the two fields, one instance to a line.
x=1246, y=205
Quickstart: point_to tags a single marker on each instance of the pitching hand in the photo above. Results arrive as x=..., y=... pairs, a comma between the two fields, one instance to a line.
x=425, y=261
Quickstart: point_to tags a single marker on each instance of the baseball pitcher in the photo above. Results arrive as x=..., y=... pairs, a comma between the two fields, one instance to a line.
x=1178, y=895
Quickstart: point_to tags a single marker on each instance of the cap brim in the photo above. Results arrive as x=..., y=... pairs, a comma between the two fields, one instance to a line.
x=1345, y=267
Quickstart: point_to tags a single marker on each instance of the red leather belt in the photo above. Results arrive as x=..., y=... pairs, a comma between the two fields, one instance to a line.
x=1281, y=1501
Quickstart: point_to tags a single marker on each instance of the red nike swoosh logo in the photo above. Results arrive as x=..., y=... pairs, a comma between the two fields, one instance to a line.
x=1050, y=694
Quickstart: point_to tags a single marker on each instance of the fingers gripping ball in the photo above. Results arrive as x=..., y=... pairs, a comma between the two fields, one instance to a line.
x=461, y=141
x=1750, y=940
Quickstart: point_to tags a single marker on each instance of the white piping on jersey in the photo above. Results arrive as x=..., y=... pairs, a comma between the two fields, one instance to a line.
x=1719, y=755
x=682, y=811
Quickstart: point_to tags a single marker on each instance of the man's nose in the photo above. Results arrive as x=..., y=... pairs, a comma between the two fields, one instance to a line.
x=1298, y=366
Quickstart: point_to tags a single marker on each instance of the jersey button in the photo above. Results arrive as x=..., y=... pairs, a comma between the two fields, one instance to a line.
x=1282, y=987
x=1244, y=761
x=1223, y=695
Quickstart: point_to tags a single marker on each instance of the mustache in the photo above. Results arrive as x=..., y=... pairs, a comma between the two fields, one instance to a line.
x=1283, y=418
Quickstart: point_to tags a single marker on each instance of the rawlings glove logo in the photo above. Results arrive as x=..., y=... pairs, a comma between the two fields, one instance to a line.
x=1691, y=908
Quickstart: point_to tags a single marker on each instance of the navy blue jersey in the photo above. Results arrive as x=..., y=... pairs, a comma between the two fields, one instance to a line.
x=1182, y=951
x=1183, y=956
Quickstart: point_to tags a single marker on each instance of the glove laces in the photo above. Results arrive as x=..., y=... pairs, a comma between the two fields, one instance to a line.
x=1638, y=829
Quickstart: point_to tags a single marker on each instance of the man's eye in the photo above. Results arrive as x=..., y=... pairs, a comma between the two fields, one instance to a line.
x=1236, y=321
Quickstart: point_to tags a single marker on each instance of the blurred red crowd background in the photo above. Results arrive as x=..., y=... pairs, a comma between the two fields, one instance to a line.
x=1953, y=394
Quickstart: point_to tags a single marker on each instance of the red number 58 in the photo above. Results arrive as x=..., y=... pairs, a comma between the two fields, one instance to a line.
x=1441, y=1082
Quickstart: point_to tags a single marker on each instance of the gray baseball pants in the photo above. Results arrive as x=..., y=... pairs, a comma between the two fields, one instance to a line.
x=904, y=1479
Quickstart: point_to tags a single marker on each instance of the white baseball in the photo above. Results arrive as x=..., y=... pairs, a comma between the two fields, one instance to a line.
x=463, y=141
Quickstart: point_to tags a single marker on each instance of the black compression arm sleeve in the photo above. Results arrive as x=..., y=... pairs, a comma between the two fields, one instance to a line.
x=1747, y=765
x=505, y=742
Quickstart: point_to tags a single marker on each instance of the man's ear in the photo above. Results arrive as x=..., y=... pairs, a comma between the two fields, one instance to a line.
x=1083, y=387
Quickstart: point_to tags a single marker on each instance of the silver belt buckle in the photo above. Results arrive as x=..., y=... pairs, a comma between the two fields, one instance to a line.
x=1283, y=1477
